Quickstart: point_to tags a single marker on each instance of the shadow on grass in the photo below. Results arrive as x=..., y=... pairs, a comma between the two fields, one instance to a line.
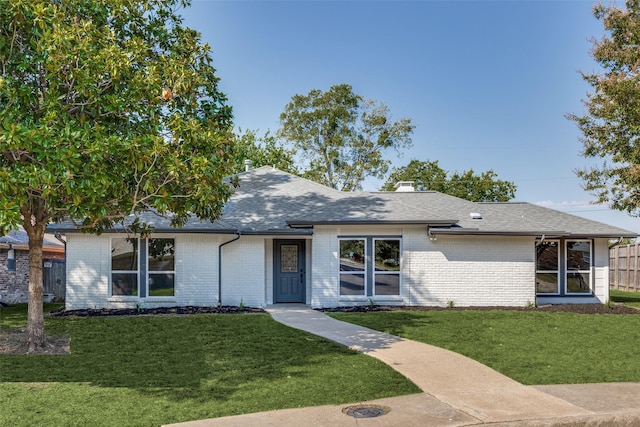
x=625, y=297
x=196, y=357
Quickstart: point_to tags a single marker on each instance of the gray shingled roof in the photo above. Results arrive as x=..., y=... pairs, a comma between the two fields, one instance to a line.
x=269, y=201
x=560, y=222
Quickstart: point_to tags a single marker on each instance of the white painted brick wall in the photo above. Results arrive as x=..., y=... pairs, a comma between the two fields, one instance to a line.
x=89, y=268
x=268, y=268
x=325, y=267
x=601, y=270
x=197, y=269
x=308, y=266
x=243, y=272
x=469, y=271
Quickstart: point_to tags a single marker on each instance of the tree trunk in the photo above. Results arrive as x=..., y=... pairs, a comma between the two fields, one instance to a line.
x=35, y=314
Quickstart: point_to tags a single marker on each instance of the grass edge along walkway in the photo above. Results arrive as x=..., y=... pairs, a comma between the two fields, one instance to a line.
x=152, y=370
x=530, y=347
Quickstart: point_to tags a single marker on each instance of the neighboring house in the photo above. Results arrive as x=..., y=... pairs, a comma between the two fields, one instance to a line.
x=14, y=266
x=284, y=239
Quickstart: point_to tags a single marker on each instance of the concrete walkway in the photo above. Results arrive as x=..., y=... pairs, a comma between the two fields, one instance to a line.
x=458, y=391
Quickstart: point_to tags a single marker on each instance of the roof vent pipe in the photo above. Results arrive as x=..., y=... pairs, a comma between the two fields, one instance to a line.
x=247, y=165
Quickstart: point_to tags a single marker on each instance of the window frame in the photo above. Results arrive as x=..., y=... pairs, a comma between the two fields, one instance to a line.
x=364, y=271
x=112, y=271
x=149, y=272
x=557, y=271
x=143, y=273
x=369, y=268
x=386, y=272
x=563, y=270
x=580, y=272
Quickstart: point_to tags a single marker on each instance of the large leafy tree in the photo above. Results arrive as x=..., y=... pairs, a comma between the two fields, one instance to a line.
x=428, y=175
x=262, y=151
x=610, y=125
x=341, y=137
x=107, y=108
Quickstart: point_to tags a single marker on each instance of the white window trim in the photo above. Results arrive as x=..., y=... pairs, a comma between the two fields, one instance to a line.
x=362, y=297
x=369, y=270
x=142, y=281
x=557, y=271
x=589, y=271
x=111, y=272
x=387, y=273
x=149, y=272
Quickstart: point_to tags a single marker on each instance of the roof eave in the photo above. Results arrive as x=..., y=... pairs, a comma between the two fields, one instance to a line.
x=534, y=233
x=310, y=224
x=187, y=230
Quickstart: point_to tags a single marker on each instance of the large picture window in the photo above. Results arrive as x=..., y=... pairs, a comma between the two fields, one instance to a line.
x=563, y=267
x=142, y=267
x=369, y=267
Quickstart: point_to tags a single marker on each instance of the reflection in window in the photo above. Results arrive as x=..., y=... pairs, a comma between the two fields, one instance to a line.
x=161, y=267
x=370, y=267
x=352, y=284
x=547, y=261
x=124, y=266
x=352, y=267
x=578, y=267
x=572, y=270
x=386, y=275
x=126, y=276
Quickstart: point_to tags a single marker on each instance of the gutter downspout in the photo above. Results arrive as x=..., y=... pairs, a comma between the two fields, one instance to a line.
x=58, y=237
x=220, y=265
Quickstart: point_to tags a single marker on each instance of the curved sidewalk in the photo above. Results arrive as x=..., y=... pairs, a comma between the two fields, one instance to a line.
x=457, y=390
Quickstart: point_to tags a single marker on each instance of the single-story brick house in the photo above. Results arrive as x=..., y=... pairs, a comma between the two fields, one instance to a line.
x=14, y=264
x=284, y=239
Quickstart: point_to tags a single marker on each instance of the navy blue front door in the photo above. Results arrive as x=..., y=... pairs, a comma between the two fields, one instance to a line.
x=289, y=271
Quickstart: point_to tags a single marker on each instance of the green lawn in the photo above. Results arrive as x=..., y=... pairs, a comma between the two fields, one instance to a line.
x=528, y=346
x=146, y=371
x=631, y=299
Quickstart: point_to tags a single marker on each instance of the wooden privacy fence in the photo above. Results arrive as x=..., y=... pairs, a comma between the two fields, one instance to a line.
x=624, y=266
x=54, y=278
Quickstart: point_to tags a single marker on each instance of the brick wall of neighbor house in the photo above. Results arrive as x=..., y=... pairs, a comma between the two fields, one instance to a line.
x=14, y=285
x=243, y=272
x=468, y=271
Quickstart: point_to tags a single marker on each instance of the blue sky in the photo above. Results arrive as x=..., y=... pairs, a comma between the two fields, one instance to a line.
x=487, y=83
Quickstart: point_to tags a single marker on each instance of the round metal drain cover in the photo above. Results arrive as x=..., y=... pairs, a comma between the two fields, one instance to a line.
x=368, y=411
